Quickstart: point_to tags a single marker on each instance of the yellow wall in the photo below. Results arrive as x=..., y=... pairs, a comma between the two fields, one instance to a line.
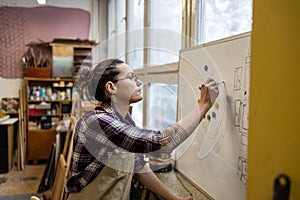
x=274, y=132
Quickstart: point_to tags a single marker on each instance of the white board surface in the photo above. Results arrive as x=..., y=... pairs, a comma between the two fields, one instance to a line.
x=214, y=158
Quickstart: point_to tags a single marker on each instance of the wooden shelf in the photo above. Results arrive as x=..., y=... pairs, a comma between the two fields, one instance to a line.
x=46, y=115
x=49, y=101
x=82, y=54
x=39, y=141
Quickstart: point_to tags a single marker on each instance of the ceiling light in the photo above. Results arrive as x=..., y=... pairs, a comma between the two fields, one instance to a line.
x=41, y=1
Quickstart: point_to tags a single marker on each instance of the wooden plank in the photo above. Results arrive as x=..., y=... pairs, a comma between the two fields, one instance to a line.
x=10, y=144
x=60, y=177
x=21, y=133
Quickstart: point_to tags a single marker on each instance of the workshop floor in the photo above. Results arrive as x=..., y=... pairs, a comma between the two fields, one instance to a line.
x=21, y=182
x=27, y=182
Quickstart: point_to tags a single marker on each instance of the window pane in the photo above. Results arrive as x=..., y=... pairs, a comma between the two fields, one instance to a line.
x=137, y=113
x=223, y=18
x=135, y=33
x=165, y=31
x=111, y=29
x=121, y=28
x=162, y=106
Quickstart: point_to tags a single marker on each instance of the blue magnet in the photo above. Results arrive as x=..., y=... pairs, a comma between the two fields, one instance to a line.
x=205, y=68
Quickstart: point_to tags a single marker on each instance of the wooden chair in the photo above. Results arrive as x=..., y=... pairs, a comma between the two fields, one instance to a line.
x=57, y=192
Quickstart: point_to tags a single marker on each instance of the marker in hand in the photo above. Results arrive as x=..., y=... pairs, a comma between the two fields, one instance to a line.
x=212, y=92
x=218, y=83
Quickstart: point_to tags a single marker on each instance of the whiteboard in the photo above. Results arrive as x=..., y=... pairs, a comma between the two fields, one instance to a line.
x=214, y=158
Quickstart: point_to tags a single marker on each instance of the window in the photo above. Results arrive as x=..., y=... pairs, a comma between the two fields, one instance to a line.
x=135, y=34
x=127, y=30
x=111, y=29
x=147, y=34
x=137, y=113
x=222, y=18
x=116, y=29
x=120, y=29
x=165, y=18
x=162, y=106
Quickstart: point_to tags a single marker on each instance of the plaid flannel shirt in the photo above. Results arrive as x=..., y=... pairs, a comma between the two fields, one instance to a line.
x=101, y=131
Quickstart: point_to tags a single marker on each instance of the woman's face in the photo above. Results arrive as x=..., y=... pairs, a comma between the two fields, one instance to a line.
x=128, y=85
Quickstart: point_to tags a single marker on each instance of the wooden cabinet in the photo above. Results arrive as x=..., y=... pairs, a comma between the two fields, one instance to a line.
x=68, y=58
x=69, y=55
x=47, y=101
x=58, y=58
x=82, y=57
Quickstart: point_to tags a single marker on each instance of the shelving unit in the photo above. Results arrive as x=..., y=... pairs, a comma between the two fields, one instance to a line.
x=82, y=57
x=47, y=101
x=79, y=50
x=58, y=58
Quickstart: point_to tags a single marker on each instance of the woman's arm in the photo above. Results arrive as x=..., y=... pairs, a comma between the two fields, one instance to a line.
x=114, y=133
x=152, y=183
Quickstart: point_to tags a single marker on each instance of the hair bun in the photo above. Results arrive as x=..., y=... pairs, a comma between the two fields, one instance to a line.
x=82, y=80
x=83, y=73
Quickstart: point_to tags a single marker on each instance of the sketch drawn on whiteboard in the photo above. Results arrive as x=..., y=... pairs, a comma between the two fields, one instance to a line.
x=215, y=120
x=244, y=139
x=242, y=169
x=242, y=105
x=237, y=78
x=241, y=115
x=247, y=76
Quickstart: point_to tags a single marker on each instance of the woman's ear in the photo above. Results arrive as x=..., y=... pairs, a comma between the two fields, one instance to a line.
x=110, y=88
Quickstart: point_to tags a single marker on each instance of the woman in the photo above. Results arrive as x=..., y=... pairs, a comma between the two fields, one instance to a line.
x=108, y=148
